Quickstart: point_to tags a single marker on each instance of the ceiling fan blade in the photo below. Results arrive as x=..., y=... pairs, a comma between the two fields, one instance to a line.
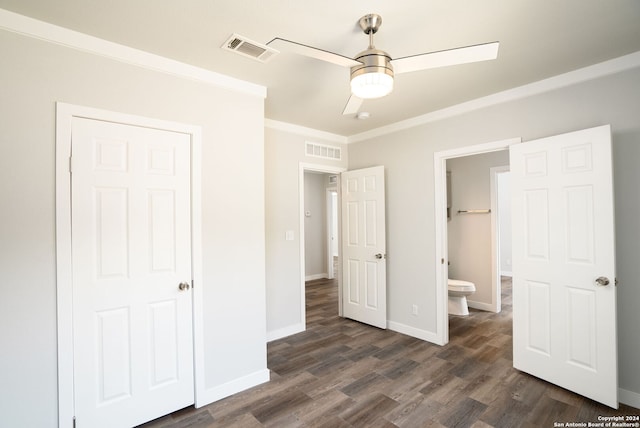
x=483, y=52
x=353, y=105
x=298, y=48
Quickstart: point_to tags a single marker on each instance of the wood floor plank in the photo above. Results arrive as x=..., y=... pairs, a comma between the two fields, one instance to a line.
x=343, y=374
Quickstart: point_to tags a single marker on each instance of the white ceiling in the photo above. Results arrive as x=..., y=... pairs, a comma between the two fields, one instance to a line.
x=538, y=39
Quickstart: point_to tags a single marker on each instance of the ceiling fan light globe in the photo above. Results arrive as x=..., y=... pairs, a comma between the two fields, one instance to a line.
x=371, y=85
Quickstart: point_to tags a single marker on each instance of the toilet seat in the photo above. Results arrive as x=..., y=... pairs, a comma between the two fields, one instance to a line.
x=461, y=286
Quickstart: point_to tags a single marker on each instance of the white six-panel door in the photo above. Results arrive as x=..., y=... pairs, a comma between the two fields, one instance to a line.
x=133, y=352
x=564, y=296
x=364, y=284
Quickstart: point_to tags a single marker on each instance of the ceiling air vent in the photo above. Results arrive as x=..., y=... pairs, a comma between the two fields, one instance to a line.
x=245, y=47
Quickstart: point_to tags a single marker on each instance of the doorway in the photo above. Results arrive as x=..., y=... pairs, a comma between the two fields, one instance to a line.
x=441, y=232
x=111, y=202
x=316, y=182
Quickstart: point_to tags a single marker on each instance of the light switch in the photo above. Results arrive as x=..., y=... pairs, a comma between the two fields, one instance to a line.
x=288, y=235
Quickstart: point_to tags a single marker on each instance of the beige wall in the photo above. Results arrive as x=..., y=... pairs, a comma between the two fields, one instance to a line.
x=35, y=75
x=315, y=225
x=284, y=153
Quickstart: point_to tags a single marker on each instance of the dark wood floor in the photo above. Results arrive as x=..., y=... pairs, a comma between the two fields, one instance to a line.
x=340, y=373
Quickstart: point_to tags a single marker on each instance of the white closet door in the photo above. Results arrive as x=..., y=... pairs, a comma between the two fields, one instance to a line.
x=131, y=245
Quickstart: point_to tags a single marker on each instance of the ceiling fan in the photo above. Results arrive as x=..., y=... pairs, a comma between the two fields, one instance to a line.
x=373, y=70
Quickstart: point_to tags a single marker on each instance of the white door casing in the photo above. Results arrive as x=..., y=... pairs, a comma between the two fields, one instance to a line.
x=564, y=323
x=66, y=115
x=441, y=335
x=364, y=289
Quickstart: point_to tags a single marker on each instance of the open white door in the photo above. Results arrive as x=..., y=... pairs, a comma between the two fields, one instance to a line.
x=564, y=293
x=364, y=289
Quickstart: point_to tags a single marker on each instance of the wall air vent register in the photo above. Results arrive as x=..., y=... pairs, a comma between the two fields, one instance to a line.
x=323, y=151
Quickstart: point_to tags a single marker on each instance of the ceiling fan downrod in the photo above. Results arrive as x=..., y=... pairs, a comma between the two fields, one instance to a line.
x=370, y=24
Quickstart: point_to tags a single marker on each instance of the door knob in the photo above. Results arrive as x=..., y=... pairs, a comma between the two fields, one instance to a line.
x=183, y=286
x=603, y=281
x=379, y=256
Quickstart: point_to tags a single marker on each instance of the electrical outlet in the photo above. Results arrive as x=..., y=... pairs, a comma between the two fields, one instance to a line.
x=414, y=309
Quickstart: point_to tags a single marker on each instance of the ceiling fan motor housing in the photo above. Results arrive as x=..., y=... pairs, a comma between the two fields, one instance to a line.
x=376, y=67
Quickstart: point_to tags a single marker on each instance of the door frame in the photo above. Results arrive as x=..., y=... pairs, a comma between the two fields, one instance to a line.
x=496, y=250
x=331, y=208
x=64, y=277
x=441, y=336
x=327, y=169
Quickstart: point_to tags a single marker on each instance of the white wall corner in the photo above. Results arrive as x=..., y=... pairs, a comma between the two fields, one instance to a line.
x=425, y=335
x=629, y=398
x=304, y=131
x=243, y=383
x=285, y=332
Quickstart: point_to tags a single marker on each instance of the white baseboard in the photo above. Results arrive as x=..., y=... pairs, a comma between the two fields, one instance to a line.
x=316, y=276
x=233, y=387
x=629, y=398
x=425, y=335
x=506, y=273
x=284, y=332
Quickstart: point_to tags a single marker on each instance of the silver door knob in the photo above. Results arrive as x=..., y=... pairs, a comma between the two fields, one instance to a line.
x=379, y=256
x=183, y=286
x=603, y=281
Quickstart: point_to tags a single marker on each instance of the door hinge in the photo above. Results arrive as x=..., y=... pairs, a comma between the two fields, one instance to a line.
x=74, y=422
x=615, y=281
x=442, y=261
x=192, y=284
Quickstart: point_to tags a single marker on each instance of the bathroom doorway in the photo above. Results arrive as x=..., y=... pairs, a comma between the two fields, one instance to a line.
x=467, y=226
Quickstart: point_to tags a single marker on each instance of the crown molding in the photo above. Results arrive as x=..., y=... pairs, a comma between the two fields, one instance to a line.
x=591, y=72
x=302, y=130
x=41, y=30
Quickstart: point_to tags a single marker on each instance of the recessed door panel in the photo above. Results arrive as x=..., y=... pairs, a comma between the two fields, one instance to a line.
x=113, y=355
x=370, y=223
x=576, y=159
x=161, y=160
x=162, y=207
x=112, y=232
x=536, y=219
x=581, y=323
x=579, y=224
x=353, y=281
x=371, y=272
x=535, y=164
x=352, y=224
x=111, y=155
x=537, y=313
x=163, y=336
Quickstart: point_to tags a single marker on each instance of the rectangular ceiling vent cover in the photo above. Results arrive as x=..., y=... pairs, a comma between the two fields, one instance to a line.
x=323, y=151
x=245, y=47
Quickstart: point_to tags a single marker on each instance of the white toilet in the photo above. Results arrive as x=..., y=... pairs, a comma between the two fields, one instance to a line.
x=458, y=292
